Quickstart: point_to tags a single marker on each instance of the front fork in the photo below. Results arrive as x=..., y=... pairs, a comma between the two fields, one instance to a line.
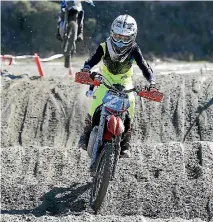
x=99, y=137
x=65, y=23
x=99, y=140
x=117, y=150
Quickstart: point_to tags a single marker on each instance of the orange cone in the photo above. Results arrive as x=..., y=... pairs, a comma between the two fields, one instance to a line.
x=71, y=73
x=38, y=64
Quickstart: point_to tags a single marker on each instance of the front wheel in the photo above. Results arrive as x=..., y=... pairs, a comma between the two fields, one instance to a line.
x=103, y=175
x=69, y=46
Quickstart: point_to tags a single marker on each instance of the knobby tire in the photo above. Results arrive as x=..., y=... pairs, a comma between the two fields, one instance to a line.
x=102, y=176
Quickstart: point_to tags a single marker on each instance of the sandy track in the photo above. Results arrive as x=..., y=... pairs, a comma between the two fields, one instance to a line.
x=45, y=172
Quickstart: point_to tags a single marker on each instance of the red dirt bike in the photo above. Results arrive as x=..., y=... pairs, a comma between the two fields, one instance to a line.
x=108, y=127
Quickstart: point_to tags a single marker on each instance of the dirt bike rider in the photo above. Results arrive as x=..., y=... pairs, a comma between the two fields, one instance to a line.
x=118, y=53
x=74, y=6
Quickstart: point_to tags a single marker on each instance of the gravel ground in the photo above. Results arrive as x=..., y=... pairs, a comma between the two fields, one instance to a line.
x=45, y=173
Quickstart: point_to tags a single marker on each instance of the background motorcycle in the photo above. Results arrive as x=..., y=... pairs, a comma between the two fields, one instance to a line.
x=68, y=29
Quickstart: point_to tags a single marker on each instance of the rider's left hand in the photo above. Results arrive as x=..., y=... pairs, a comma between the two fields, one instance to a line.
x=93, y=75
x=96, y=76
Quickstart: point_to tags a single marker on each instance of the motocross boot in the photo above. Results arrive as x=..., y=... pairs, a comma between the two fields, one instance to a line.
x=84, y=139
x=125, y=145
x=80, y=26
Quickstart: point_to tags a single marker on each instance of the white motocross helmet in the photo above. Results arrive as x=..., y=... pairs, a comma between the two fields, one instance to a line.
x=123, y=33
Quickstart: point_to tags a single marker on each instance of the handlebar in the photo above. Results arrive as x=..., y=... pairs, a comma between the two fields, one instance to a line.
x=96, y=79
x=111, y=87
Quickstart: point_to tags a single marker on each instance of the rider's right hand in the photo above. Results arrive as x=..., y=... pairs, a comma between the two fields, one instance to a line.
x=85, y=69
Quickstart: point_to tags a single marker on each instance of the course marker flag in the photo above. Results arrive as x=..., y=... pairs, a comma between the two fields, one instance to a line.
x=38, y=64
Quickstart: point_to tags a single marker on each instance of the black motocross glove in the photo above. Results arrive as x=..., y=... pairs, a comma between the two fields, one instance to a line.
x=152, y=85
x=93, y=75
x=86, y=69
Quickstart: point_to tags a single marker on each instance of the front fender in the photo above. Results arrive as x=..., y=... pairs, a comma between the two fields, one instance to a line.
x=114, y=127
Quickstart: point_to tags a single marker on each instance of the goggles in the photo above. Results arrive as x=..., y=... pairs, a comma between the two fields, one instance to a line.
x=123, y=38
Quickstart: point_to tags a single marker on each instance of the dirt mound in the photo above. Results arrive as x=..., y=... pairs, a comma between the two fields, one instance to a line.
x=45, y=172
x=51, y=112
x=42, y=112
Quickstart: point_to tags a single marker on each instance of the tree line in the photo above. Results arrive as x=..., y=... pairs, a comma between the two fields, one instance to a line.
x=180, y=30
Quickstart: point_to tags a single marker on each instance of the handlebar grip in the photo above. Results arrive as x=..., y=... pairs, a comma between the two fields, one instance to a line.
x=93, y=74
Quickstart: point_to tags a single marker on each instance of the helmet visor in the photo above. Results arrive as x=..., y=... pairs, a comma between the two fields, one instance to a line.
x=123, y=38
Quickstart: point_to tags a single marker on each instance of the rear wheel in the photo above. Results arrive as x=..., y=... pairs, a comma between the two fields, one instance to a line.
x=102, y=176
